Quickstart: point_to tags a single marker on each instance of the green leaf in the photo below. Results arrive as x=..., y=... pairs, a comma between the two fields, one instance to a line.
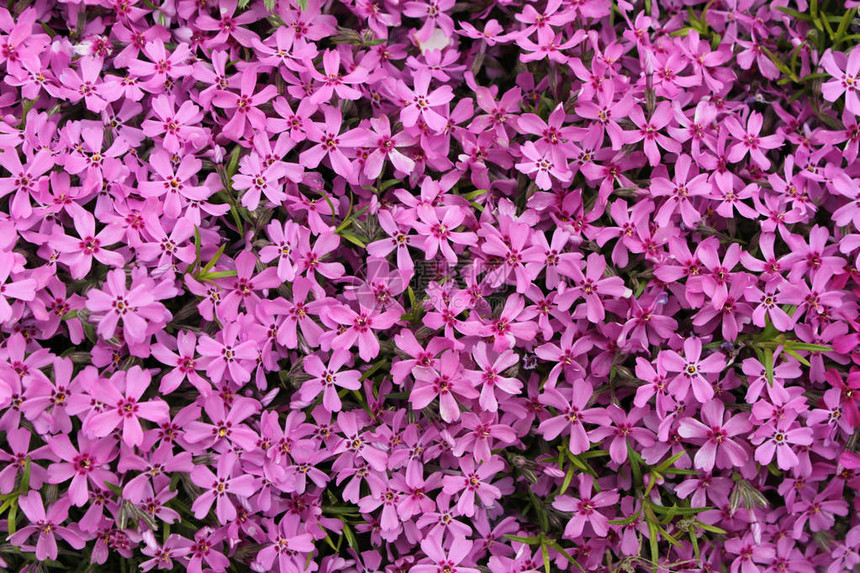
x=545, y=552
x=768, y=364
x=634, y=464
x=526, y=540
x=694, y=539
x=711, y=528
x=233, y=166
x=352, y=238
x=373, y=369
x=473, y=194
x=797, y=357
x=794, y=345
x=12, y=518
x=653, y=543
x=303, y=4
x=25, y=478
x=626, y=520
x=350, y=536
x=566, y=483
x=670, y=462
x=554, y=544
x=795, y=14
x=114, y=488
x=214, y=260
x=217, y=275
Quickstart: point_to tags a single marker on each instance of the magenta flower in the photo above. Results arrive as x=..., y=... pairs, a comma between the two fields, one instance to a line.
x=445, y=561
x=285, y=545
x=137, y=308
x=228, y=354
x=649, y=132
x=718, y=437
x=218, y=488
x=679, y=193
x=585, y=508
x=175, y=182
x=439, y=233
x=473, y=482
x=125, y=407
x=590, y=285
x=224, y=425
x=333, y=82
x=326, y=379
x=442, y=380
x=571, y=415
x=692, y=370
x=544, y=165
x=86, y=465
x=489, y=379
x=47, y=525
x=331, y=143
x=387, y=148
x=185, y=365
x=174, y=127
x=418, y=102
x=622, y=426
x=750, y=141
x=846, y=78
x=776, y=438
x=78, y=252
x=244, y=106
x=24, y=289
x=359, y=327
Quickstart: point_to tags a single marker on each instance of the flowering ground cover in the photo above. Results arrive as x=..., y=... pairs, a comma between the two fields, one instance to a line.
x=425, y=285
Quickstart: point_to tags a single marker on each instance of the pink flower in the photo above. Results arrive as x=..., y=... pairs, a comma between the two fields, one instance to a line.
x=624, y=430
x=419, y=101
x=776, y=438
x=125, y=407
x=327, y=379
x=359, y=327
x=218, y=488
x=89, y=465
x=585, y=508
x=717, y=435
x=571, y=416
x=47, y=525
x=750, y=141
x=445, y=561
x=692, y=370
x=474, y=482
x=544, y=164
x=137, y=308
x=846, y=78
x=444, y=379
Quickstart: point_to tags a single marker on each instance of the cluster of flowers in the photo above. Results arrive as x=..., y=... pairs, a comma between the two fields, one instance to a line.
x=364, y=286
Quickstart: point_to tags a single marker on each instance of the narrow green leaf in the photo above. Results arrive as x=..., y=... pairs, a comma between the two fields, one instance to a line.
x=521, y=539
x=626, y=520
x=352, y=239
x=768, y=364
x=12, y=518
x=554, y=544
x=545, y=552
x=217, y=275
x=670, y=462
x=473, y=194
x=797, y=357
x=215, y=258
x=566, y=483
x=711, y=528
